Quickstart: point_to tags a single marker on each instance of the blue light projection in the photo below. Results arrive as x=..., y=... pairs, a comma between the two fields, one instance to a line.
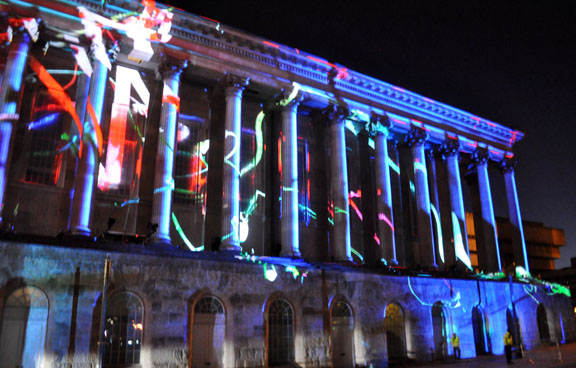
x=452, y=303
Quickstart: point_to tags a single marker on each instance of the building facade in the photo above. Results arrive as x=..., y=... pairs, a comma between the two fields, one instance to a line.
x=176, y=192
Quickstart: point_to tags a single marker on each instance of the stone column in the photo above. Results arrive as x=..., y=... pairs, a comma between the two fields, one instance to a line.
x=340, y=242
x=379, y=131
x=88, y=162
x=508, y=166
x=289, y=222
x=424, y=253
x=487, y=244
x=170, y=71
x=450, y=150
x=231, y=171
x=10, y=96
x=435, y=206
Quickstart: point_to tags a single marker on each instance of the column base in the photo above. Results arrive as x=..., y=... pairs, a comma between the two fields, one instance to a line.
x=80, y=231
x=289, y=254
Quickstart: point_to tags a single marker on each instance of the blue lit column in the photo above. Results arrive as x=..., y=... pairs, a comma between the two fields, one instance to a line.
x=508, y=166
x=424, y=253
x=289, y=222
x=340, y=242
x=379, y=130
x=450, y=150
x=231, y=169
x=488, y=251
x=88, y=162
x=434, y=205
x=170, y=71
x=9, y=97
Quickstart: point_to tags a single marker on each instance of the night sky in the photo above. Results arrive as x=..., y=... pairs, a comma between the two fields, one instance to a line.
x=509, y=61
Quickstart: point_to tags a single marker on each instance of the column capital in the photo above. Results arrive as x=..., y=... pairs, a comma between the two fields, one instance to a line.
x=287, y=100
x=480, y=156
x=508, y=165
x=234, y=84
x=335, y=113
x=449, y=148
x=21, y=26
x=431, y=154
x=379, y=125
x=101, y=50
x=171, y=67
x=416, y=137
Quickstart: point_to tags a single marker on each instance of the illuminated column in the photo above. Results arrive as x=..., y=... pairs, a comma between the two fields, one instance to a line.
x=340, y=242
x=450, y=151
x=88, y=162
x=508, y=166
x=488, y=252
x=231, y=170
x=170, y=71
x=434, y=205
x=290, y=240
x=424, y=253
x=379, y=130
x=9, y=97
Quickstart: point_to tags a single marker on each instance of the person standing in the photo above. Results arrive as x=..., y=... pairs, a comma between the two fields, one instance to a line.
x=508, y=342
x=455, y=341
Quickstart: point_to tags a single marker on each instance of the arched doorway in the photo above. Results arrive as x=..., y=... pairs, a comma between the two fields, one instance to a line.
x=124, y=329
x=342, y=335
x=208, y=333
x=395, y=333
x=480, y=335
x=543, y=324
x=439, y=328
x=280, y=333
x=23, y=332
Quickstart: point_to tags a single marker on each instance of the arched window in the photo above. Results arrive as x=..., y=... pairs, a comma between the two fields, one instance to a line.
x=23, y=332
x=395, y=334
x=280, y=333
x=542, y=324
x=439, y=327
x=124, y=328
x=208, y=333
x=342, y=335
x=480, y=335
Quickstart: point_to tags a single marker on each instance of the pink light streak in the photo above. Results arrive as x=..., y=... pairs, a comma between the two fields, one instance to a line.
x=383, y=217
x=376, y=238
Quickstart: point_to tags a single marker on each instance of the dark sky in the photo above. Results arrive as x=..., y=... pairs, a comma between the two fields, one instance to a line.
x=510, y=61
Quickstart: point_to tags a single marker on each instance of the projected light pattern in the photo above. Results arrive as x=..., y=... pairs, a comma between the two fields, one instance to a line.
x=461, y=252
x=452, y=303
x=183, y=236
x=438, y=231
x=270, y=269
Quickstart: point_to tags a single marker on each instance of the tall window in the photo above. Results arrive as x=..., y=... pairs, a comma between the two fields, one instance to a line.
x=439, y=328
x=124, y=327
x=280, y=333
x=23, y=332
x=395, y=335
x=208, y=333
x=543, y=329
x=44, y=130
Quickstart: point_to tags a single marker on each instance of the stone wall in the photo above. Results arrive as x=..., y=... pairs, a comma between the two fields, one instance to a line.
x=169, y=283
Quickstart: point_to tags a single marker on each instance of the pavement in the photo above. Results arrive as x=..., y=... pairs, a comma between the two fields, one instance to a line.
x=544, y=357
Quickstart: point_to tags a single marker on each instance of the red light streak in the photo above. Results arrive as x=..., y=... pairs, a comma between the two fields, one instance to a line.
x=353, y=205
x=342, y=72
x=377, y=238
x=73, y=77
x=399, y=89
x=398, y=121
x=97, y=128
x=271, y=44
x=210, y=19
x=509, y=155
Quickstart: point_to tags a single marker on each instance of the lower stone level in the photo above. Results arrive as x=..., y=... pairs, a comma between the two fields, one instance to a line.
x=167, y=308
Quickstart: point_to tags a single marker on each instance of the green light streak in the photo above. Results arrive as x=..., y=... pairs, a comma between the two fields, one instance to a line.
x=358, y=255
x=183, y=236
x=259, y=144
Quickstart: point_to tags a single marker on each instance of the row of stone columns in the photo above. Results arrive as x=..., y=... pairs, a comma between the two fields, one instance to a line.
x=170, y=71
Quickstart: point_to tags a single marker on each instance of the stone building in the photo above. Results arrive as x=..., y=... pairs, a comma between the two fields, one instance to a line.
x=176, y=192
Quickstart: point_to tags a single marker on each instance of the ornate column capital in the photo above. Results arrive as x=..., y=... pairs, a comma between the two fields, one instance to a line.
x=335, y=113
x=288, y=99
x=379, y=125
x=431, y=154
x=234, y=84
x=416, y=137
x=171, y=67
x=508, y=165
x=480, y=156
x=102, y=51
x=449, y=148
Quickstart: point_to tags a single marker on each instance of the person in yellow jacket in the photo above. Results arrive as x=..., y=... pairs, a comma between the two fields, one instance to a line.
x=508, y=342
x=455, y=341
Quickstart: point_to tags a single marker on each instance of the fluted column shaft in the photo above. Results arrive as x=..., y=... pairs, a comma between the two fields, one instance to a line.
x=424, y=252
x=231, y=168
x=450, y=151
x=488, y=250
x=9, y=97
x=384, y=194
x=508, y=167
x=170, y=71
x=88, y=162
x=289, y=222
x=340, y=244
